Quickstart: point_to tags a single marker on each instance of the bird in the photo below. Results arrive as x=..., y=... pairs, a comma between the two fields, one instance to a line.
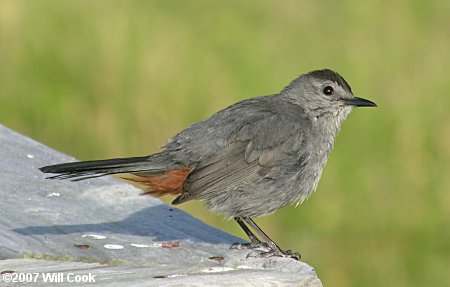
x=247, y=160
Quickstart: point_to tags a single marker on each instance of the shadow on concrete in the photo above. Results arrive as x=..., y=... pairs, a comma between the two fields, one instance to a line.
x=161, y=223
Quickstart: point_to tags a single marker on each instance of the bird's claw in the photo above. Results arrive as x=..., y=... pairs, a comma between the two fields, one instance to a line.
x=250, y=245
x=273, y=253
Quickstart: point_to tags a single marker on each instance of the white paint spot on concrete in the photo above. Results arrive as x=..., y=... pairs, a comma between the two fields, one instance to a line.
x=113, y=246
x=244, y=267
x=156, y=245
x=94, y=236
x=53, y=194
x=217, y=269
x=176, y=275
x=30, y=156
x=139, y=245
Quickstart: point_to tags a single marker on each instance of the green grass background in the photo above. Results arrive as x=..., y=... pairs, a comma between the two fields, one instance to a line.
x=100, y=79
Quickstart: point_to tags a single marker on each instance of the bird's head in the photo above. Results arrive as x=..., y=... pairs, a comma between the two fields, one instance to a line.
x=324, y=92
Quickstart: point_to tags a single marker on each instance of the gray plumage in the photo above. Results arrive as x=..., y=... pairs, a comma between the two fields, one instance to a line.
x=263, y=153
x=253, y=157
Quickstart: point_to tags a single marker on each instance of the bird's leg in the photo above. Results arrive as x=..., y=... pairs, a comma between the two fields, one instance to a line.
x=254, y=241
x=275, y=250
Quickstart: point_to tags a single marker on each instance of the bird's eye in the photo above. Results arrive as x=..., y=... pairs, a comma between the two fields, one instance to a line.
x=328, y=90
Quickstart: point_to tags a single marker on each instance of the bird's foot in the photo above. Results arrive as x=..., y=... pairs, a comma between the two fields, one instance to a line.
x=278, y=253
x=250, y=245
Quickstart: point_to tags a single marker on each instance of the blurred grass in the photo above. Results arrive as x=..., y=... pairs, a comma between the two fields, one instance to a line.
x=99, y=79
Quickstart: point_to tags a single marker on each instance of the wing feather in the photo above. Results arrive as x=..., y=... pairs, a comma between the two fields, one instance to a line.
x=250, y=156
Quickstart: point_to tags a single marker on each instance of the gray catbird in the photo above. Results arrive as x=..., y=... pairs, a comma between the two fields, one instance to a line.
x=247, y=160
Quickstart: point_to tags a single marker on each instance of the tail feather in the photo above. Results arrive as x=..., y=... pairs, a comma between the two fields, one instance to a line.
x=96, y=168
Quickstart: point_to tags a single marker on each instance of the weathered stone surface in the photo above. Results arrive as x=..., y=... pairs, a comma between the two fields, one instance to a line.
x=102, y=226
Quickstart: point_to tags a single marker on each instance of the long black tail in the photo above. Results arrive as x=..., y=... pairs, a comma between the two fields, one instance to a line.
x=88, y=169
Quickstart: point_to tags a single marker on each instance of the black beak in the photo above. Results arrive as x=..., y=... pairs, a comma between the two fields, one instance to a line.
x=359, y=102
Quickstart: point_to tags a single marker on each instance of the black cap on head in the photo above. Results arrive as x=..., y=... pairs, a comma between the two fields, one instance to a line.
x=329, y=75
x=319, y=75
